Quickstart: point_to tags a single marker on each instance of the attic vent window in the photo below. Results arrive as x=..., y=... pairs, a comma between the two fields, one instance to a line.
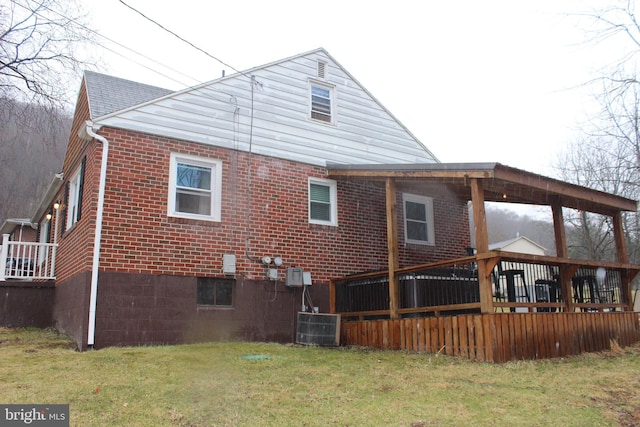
x=321, y=69
x=321, y=102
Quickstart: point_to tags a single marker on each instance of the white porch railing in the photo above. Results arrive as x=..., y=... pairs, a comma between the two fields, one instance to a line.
x=27, y=260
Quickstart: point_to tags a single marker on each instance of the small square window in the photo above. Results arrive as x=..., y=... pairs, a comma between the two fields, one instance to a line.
x=323, y=201
x=195, y=187
x=418, y=219
x=321, y=102
x=217, y=292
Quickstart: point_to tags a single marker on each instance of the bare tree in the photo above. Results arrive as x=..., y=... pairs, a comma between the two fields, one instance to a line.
x=607, y=157
x=617, y=26
x=586, y=163
x=41, y=54
x=40, y=50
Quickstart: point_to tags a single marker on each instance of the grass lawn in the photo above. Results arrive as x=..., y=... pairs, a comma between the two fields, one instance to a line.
x=257, y=384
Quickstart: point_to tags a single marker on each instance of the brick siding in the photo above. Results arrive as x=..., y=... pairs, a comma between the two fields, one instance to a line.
x=139, y=236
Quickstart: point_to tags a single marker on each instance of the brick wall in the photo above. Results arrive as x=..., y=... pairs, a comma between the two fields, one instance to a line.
x=76, y=244
x=139, y=237
x=23, y=233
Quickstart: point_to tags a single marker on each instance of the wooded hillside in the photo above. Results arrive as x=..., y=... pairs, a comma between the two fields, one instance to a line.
x=32, y=145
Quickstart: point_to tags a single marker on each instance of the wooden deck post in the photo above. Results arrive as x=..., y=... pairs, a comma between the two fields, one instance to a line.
x=392, y=246
x=482, y=245
x=562, y=252
x=622, y=257
x=558, y=228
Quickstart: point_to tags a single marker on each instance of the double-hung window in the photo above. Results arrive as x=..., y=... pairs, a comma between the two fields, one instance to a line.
x=321, y=102
x=73, y=196
x=418, y=219
x=323, y=205
x=216, y=292
x=195, y=187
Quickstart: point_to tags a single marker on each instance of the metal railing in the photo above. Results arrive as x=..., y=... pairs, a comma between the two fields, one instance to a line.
x=519, y=283
x=27, y=260
x=534, y=283
x=450, y=286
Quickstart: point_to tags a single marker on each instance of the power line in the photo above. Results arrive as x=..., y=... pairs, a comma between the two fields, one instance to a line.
x=183, y=39
x=147, y=67
x=79, y=24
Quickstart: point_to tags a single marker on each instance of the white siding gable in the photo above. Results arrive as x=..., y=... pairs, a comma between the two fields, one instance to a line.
x=519, y=244
x=220, y=113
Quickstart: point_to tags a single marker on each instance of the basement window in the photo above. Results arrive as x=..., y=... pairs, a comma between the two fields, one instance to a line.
x=418, y=219
x=215, y=292
x=195, y=187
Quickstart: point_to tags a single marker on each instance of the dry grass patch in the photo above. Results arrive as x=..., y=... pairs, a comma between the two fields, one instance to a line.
x=283, y=385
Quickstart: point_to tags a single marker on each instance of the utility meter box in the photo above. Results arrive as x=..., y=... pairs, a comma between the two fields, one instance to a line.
x=294, y=277
x=228, y=264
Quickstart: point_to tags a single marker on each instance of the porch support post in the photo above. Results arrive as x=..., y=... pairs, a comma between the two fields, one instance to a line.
x=392, y=246
x=622, y=257
x=558, y=228
x=618, y=232
x=482, y=245
x=561, y=252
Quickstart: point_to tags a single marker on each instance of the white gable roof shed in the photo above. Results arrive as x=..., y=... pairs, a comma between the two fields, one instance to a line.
x=265, y=110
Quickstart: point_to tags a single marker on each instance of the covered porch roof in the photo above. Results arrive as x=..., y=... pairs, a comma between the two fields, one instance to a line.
x=500, y=184
x=494, y=182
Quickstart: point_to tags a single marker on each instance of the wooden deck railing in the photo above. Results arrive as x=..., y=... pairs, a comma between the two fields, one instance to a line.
x=519, y=283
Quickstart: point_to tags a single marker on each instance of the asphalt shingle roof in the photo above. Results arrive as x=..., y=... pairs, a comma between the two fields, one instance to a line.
x=108, y=94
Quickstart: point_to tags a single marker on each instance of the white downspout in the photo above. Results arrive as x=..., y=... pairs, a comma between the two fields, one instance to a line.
x=98, y=233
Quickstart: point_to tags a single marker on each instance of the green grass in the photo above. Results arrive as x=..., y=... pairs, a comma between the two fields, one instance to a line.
x=216, y=385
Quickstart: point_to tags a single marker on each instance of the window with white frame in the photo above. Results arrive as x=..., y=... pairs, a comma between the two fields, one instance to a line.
x=323, y=201
x=74, y=196
x=418, y=219
x=321, y=102
x=195, y=187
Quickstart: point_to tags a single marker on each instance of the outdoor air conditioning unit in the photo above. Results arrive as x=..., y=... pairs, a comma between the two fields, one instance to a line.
x=318, y=329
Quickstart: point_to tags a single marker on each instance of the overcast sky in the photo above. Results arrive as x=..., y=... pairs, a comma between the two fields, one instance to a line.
x=493, y=80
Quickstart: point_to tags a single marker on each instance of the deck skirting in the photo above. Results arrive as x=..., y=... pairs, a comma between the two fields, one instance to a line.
x=499, y=337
